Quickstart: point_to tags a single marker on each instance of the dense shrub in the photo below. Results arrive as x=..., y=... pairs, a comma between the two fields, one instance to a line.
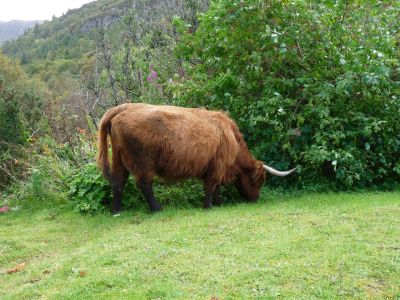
x=88, y=190
x=19, y=117
x=43, y=185
x=311, y=83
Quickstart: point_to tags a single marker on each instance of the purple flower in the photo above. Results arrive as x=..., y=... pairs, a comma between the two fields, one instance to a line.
x=153, y=74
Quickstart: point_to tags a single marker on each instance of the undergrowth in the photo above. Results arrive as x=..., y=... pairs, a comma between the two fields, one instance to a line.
x=66, y=176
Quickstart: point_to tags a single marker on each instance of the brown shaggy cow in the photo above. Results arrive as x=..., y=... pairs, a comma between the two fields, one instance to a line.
x=176, y=143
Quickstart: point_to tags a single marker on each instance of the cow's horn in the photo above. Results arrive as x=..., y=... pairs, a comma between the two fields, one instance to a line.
x=276, y=172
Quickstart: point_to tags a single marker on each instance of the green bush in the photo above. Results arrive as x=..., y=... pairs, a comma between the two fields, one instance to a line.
x=311, y=83
x=20, y=115
x=88, y=190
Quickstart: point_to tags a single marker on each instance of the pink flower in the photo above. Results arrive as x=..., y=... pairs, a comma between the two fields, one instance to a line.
x=4, y=209
x=153, y=74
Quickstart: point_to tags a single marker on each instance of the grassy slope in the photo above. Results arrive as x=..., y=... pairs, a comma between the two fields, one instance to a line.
x=319, y=246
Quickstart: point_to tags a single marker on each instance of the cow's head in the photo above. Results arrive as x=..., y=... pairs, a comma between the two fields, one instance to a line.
x=251, y=178
x=249, y=181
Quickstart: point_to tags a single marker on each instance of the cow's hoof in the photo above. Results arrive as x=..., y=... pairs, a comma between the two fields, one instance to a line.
x=218, y=203
x=116, y=211
x=156, y=209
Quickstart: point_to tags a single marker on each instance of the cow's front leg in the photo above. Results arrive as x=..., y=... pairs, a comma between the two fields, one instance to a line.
x=217, y=201
x=147, y=189
x=209, y=189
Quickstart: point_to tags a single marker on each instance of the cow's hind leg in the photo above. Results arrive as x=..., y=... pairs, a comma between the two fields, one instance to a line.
x=119, y=175
x=117, y=188
x=146, y=186
x=209, y=189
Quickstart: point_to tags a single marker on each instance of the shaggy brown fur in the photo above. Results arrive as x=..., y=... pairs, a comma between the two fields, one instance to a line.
x=176, y=143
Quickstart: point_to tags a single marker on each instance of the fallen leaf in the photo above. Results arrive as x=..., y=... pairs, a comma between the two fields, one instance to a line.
x=46, y=272
x=82, y=273
x=19, y=267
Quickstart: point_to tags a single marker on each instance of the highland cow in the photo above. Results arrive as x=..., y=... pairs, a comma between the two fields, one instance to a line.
x=177, y=143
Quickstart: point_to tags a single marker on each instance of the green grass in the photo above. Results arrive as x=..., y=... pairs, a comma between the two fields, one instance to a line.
x=316, y=246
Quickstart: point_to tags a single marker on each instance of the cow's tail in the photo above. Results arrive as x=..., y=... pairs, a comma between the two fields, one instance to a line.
x=104, y=131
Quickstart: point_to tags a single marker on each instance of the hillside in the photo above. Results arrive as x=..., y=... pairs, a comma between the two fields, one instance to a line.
x=71, y=37
x=12, y=29
x=98, y=52
x=49, y=40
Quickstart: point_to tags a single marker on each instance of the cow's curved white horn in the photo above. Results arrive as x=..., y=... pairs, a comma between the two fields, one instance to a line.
x=276, y=172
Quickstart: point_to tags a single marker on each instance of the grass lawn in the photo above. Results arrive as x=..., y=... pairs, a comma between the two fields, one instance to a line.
x=316, y=246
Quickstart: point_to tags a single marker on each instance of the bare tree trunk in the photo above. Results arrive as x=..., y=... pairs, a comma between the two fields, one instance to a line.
x=107, y=61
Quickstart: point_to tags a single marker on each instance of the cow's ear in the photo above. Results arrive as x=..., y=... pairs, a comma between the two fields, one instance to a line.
x=258, y=172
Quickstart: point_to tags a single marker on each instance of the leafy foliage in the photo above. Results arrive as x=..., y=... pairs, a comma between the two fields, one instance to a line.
x=20, y=115
x=88, y=189
x=310, y=83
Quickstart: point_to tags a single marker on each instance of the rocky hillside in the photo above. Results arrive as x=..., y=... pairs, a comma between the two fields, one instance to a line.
x=69, y=36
